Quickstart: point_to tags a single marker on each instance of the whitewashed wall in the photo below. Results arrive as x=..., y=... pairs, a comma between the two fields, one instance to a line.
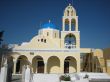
x=3, y=74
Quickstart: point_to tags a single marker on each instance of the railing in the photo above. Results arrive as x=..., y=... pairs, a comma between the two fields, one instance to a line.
x=70, y=46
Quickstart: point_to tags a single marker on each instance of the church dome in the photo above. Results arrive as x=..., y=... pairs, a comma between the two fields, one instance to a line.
x=48, y=25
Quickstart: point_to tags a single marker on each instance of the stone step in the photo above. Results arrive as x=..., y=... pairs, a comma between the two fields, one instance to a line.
x=46, y=78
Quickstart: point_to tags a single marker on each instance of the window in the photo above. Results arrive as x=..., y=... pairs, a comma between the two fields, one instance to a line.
x=55, y=35
x=70, y=41
x=45, y=41
x=47, y=33
x=68, y=13
x=41, y=40
x=31, y=53
x=38, y=40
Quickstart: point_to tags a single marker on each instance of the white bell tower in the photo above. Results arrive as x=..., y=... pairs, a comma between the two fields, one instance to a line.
x=70, y=18
x=70, y=29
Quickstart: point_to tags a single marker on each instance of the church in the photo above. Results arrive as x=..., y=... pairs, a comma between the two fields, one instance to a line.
x=55, y=51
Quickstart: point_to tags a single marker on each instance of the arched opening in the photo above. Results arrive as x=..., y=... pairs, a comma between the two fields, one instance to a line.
x=72, y=13
x=38, y=64
x=66, y=24
x=73, y=24
x=67, y=12
x=70, y=65
x=21, y=61
x=70, y=41
x=53, y=65
x=10, y=63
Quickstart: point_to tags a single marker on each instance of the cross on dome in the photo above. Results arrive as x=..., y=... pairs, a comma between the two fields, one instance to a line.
x=69, y=4
x=49, y=25
x=49, y=20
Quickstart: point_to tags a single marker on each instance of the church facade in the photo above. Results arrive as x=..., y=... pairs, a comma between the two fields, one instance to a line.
x=54, y=51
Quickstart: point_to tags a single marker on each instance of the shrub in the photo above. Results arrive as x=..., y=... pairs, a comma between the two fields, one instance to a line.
x=86, y=76
x=65, y=77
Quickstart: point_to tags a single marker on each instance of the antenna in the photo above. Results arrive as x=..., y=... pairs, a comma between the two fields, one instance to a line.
x=70, y=2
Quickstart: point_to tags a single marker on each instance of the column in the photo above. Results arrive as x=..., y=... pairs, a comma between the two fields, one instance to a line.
x=14, y=69
x=62, y=66
x=45, y=68
x=69, y=24
x=76, y=23
x=63, y=28
x=78, y=65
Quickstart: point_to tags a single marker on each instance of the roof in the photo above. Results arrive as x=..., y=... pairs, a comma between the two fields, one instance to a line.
x=48, y=25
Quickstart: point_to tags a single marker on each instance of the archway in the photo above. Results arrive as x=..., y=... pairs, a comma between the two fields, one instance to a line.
x=53, y=65
x=66, y=24
x=70, y=65
x=70, y=41
x=21, y=61
x=73, y=24
x=38, y=64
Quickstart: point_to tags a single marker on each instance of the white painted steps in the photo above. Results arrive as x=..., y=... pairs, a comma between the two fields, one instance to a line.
x=46, y=78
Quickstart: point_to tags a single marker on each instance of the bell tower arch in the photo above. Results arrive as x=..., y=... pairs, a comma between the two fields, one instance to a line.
x=70, y=19
x=70, y=28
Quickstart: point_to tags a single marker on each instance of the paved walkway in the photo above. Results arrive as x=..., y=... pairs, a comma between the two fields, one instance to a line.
x=16, y=78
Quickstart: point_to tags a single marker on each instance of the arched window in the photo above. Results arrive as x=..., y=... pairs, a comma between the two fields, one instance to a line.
x=47, y=33
x=55, y=35
x=44, y=40
x=70, y=41
x=73, y=24
x=67, y=25
x=72, y=13
x=41, y=40
x=67, y=12
x=38, y=40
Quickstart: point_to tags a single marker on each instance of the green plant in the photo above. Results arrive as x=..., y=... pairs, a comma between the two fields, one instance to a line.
x=65, y=77
x=86, y=76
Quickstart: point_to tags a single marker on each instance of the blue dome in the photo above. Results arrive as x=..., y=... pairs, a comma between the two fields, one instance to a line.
x=48, y=25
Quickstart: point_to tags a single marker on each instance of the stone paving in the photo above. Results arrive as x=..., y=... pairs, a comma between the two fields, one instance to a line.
x=16, y=78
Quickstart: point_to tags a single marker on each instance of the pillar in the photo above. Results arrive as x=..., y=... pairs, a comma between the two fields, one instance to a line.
x=76, y=23
x=62, y=66
x=78, y=64
x=63, y=28
x=45, y=68
x=14, y=69
x=69, y=24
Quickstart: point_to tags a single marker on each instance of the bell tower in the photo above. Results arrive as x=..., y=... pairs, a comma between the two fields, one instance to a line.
x=70, y=19
x=70, y=36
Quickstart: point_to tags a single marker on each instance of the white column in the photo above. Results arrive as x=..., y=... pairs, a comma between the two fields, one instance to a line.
x=14, y=69
x=63, y=28
x=45, y=68
x=62, y=66
x=76, y=24
x=69, y=24
x=78, y=65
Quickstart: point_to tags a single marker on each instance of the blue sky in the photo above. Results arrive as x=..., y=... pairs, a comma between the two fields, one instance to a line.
x=21, y=19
